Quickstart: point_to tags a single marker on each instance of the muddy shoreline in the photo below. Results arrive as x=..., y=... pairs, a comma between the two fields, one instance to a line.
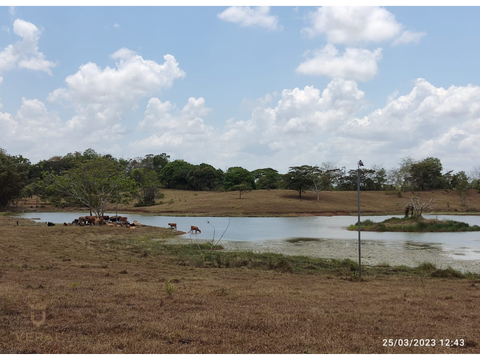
x=374, y=253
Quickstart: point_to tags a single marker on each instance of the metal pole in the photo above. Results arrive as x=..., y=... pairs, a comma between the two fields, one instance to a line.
x=360, y=163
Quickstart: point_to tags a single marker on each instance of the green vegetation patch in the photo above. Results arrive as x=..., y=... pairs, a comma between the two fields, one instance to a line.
x=206, y=255
x=414, y=225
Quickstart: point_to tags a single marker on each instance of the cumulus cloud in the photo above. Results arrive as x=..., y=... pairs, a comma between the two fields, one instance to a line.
x=100, y=99
x=172, y=129
x=107, y=94
x=24, y=53
x=246, y=16
x=355, y=64
x=294, y=128
x=429, y=121
x=304, y=126
x=353, y=24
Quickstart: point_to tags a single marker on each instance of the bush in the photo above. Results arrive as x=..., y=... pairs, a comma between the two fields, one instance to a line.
x=448, y=273
x=426, y=266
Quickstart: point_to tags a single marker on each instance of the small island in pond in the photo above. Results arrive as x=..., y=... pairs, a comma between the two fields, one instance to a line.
x=411, y=224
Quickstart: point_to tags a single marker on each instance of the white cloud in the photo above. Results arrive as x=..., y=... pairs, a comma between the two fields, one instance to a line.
x=305, y=126
x=356, y=64
x=175, y=130
x=166, y=117
x=246, y=16
x=358, y=24
x=100, y=99
x=353, y=24
x=429, y=121
x=24, y=53
x=107, y=94
x=408, y=36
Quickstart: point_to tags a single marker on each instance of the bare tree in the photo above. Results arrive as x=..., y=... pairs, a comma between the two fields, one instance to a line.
x=418, y=207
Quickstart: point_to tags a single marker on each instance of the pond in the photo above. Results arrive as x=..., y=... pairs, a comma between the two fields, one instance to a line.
x=465, y=245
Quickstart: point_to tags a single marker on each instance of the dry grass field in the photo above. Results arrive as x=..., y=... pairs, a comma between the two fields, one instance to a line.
x=113, y=290
x=288, y=203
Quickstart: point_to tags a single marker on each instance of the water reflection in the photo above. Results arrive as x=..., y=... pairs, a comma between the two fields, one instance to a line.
x=301, y=231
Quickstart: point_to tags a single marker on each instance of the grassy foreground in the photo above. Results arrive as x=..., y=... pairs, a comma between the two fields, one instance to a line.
x=414, y=225
x=114, y=290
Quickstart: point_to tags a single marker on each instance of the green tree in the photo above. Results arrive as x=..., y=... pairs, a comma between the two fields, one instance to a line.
x=237, y=175
x=400, y=177
x=330, y=175
x=147, y=185
x=206, y=177
x=299, y=178
x=93, y=183
x=266, y=178
x=176, y=175
x=151, y=162
x=241, y=188
x=427, y=174
x=13, y=177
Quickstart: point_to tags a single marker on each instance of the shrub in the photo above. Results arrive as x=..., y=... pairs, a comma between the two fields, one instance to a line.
x=448, y=273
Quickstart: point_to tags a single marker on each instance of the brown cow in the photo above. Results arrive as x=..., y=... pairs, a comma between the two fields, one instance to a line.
x=123, y=219
x=196, y=229
x=90, y=220
x=99, y=221
x=173, y=226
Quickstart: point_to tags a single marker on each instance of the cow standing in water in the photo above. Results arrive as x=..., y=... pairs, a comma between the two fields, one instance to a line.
x=173, y=226
x=196, y=229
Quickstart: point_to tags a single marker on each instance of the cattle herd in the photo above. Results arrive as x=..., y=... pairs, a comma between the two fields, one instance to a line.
x=114, y=221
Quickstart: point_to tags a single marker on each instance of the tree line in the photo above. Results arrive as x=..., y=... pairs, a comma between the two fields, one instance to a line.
x=95, y=180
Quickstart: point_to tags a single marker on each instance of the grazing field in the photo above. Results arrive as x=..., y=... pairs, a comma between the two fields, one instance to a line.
x=288, y=203
x=114, y=290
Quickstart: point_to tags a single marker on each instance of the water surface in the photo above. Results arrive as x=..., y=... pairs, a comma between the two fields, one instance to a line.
x=464, y=245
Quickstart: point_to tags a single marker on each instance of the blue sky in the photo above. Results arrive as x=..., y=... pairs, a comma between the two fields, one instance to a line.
x=243, y=86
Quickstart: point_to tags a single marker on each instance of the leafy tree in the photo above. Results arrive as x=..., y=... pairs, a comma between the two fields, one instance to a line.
x=241, y=188
x=267, y=178
x=400, y=177
x=474, y=176
x=206, y=177
x=176, y=175
x=90, y=154
x=370, y=179
x=93, y=183
x=13, y=177
x=237, y=175
x=151, y=162
x=427, y=174
x=147, y=185
x=299, y=178
x=330, y=175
